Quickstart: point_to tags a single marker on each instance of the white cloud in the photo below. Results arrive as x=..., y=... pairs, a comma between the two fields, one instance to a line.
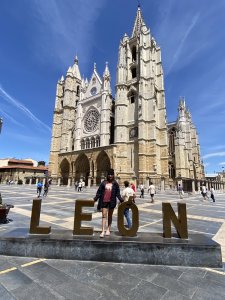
x=222, y=163
x=64, y=30
x=186, y=30
x=10, y=118
x=218, y=147
x=29, y=139
x=206, y=164
x=18, y=105
x=182, y=43
x=214, y=154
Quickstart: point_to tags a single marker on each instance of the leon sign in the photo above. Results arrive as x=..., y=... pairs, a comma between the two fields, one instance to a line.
x=169, y=216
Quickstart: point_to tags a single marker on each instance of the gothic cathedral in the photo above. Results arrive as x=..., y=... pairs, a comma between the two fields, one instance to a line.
x=93, y=132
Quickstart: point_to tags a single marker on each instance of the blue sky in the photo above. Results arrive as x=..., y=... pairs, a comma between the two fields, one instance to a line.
x=40, y=38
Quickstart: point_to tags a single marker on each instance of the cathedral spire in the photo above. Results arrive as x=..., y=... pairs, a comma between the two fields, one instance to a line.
x=139, y=21
x=106, y=73
x=61, y=80
x=106, y=78
x=75, y=69
x=182, y=105
x=188, y=114
x=76, y=60
x=69, y=71
x=182, y=109
x=96, y=74
x=83, y=82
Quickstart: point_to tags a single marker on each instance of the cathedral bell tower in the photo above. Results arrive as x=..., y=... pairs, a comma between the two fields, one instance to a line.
x=140, y=112
x=67, y=98
x=71, y=98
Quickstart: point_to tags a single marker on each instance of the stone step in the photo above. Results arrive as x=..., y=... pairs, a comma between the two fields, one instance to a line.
x=145, y=248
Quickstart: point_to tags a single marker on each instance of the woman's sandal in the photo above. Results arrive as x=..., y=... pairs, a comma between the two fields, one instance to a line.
x=102, y=235
x=107, y=232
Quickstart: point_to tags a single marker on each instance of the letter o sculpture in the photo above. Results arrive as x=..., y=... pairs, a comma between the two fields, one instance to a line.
x=135, y=218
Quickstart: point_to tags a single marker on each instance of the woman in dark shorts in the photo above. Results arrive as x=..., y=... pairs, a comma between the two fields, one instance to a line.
x=107, y=194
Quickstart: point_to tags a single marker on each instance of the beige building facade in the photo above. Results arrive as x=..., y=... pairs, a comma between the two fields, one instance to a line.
x=22, y=171
x=93, y=132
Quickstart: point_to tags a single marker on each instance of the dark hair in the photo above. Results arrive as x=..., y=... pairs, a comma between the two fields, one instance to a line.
x=150, y=183
x=126, y=183
x=110, y=172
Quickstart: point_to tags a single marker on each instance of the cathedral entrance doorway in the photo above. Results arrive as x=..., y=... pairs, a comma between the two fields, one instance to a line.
x=82, y=168
x=187, y=185
x=103, y=165
x=65, y=170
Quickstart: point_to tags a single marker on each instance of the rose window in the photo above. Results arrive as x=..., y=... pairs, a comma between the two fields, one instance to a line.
x=91, y=120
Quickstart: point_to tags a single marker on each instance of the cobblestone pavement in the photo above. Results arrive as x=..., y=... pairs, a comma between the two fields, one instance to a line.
x=32, y=278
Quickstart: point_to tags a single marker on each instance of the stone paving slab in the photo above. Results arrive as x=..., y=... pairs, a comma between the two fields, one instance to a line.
x=89, y=280
x=35, y=291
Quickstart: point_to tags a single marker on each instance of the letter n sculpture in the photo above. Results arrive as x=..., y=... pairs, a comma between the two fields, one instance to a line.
x=179, y=222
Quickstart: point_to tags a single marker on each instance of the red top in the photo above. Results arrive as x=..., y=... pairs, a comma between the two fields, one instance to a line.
x=108, y=192
x=133, y=187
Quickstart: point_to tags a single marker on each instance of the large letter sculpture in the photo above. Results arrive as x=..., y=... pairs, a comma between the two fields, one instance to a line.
x=180, y=223
x=35, y=219
x=135, y=218
x=79, y=217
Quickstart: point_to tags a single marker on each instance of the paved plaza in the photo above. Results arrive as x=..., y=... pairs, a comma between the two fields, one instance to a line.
x=32, y=278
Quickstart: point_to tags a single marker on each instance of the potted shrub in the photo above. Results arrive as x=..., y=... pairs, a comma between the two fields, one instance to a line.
x=4, y=210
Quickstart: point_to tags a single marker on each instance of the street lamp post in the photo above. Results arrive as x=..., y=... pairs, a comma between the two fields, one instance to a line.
x=223, y=175
x=1, y=122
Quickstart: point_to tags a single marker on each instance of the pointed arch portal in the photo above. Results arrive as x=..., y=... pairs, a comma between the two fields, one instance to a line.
x=103, y=165
x=65, y=170
x=82, y=168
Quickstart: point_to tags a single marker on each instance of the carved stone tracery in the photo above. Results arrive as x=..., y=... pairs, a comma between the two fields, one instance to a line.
x=91, y=120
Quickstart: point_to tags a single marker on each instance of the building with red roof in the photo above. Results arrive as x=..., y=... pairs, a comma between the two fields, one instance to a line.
x=27, y=171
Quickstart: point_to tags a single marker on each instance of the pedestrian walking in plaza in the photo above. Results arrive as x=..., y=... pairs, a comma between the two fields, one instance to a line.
x=46, y=186
x=132, y=185
x=212, y=194
x=80, y=186
x=204, y=192
x=39, y=188
x=83, y=185
x=151, y=190
x=126, y=194
x=76, y=185
x=142, y=189
x=107, y=195
x=180, y=191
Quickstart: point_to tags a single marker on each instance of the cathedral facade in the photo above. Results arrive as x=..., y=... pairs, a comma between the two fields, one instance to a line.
x=93, y=132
